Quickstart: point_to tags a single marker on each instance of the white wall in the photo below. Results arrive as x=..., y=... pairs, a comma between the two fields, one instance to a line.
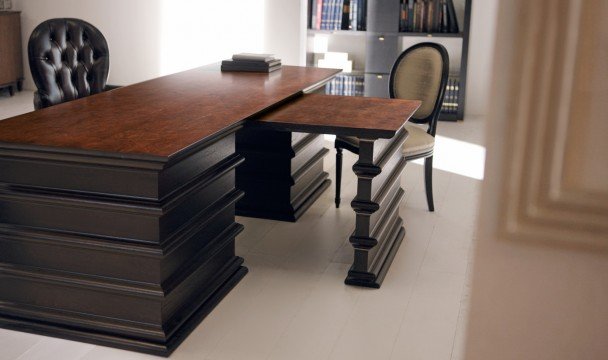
x=285, y=30
x=131, y=28
x=540, y=274
x=148, y=38
x=481, y=50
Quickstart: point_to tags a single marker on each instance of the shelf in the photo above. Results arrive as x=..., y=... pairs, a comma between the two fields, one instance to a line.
x=337, y=32
x=431, y=35
x=359, y=73
x=363, y=32
x=353, y=73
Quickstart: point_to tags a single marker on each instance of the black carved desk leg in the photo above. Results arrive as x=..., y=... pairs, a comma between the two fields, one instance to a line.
x=379, y=228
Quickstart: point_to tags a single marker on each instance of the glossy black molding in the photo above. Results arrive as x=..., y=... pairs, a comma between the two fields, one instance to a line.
x=282, y=175
x=131, y=253
x=379, y=228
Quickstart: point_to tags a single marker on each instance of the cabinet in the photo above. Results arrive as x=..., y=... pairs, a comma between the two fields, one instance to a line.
x=375, y=48
x=11, y=60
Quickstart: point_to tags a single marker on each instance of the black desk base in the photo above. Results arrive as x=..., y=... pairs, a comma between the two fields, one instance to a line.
x=134, y=253
x=282, y=175
x=133, y=256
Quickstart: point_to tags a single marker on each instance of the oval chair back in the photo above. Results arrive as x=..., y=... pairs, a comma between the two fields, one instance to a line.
x=421, y=73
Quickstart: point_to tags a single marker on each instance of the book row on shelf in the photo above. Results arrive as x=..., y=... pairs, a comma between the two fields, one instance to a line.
x=338, y=14
x=428, y=16
x=353, y=85
x=451, y=97
x=346, y=85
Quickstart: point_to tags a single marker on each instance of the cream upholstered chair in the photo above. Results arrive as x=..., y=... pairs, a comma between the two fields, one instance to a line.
x=420, y=73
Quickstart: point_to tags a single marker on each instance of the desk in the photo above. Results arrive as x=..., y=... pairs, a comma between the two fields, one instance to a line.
x=117, y=211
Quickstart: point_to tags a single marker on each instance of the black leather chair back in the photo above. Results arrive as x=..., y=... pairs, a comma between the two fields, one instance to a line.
x=69, y=59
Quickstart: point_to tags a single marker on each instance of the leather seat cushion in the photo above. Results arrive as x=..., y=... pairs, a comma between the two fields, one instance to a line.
x=418, y=142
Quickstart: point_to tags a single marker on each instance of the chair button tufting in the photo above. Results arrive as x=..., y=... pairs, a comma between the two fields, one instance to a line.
x=70, y=61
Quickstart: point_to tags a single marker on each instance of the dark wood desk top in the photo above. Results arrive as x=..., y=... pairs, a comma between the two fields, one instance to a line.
x=161, y=117
x=371, y=118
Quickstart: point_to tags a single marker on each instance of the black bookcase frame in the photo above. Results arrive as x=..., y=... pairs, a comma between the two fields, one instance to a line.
x=382, y=47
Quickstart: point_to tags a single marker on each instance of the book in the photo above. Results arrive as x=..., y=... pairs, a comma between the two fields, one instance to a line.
x=451, y=96
x=436, y=16
x=402, y=15
x=430, y=17
x=345, y=25
x=452, y=21
x=352, y=23
x=362, y=16
x=410, y=15
x=332, y=9
x=444, y=16
x=264, y=64
x=324, y=14
x=313, y=14
x=253, y=57
x=319, y=10
x=456, y=94
x=427, y=16
x=251, y=62
x=416, y=15
x=338, y=9
x=338, y=14
x=346, y=85
x=231, y=65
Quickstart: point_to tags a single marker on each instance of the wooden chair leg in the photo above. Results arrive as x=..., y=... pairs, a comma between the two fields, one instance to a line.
x=428, y=182
x=11, y=90
x=338, y=175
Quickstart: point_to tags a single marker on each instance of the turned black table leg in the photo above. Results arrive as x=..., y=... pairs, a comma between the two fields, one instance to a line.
x=379, y=228
x=338, y=175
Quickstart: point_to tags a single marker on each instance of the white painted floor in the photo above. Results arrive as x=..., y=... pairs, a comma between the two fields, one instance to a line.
x=293, y=303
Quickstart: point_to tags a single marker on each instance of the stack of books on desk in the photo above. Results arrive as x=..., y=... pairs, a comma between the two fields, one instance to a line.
x=252, y=62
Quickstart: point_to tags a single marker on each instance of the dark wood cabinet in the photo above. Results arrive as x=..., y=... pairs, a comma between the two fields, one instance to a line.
x=11, y=60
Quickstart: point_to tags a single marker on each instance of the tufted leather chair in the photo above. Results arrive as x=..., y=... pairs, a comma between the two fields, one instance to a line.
x=69, y=59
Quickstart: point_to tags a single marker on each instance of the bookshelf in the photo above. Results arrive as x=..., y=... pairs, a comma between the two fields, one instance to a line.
x=374, y=47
